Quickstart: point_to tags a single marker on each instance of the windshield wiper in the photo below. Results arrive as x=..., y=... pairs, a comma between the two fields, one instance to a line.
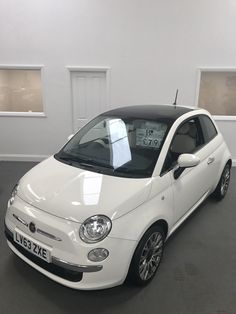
x=96, y=165
x=90, y=164
x=68, y=159
x=87, y=165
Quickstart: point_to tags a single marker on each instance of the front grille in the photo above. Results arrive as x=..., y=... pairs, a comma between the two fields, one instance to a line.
x=50, y=267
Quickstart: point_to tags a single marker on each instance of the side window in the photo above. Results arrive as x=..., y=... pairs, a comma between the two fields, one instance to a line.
x=187, y=139
x=208, y=128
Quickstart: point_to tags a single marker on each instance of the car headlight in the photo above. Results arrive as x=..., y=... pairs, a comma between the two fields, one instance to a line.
x=95, y=229
x=13, y=194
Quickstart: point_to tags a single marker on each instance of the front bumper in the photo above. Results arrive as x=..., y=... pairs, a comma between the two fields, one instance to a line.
x=69, y=265
x=59, y=267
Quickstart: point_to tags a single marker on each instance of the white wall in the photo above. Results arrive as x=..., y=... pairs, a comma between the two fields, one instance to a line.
x=152, y=47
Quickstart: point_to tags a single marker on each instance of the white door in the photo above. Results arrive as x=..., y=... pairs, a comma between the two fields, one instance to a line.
x=88, y=96
x=194, y=182
x=190, y=187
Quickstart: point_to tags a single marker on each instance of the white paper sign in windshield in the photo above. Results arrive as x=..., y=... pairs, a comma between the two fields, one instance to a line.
x=150, y=135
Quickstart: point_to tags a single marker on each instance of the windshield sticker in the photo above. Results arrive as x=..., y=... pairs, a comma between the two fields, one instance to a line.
x=150, y=137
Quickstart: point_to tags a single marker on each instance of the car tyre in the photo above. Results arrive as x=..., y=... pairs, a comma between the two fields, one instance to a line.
x=147, y=256
x=223, y=184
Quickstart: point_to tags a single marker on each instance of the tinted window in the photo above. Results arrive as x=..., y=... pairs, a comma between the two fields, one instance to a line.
x=125, y=147
x=208, y=128
x=187, y=139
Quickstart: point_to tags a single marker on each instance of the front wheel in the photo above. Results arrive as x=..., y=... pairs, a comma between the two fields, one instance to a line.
x=223, y=184
x=147, y=256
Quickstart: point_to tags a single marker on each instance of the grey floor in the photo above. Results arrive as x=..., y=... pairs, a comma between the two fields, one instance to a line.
x=197, y=275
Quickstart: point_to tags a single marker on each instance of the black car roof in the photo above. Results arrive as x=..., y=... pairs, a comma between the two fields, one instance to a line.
x=150, y=112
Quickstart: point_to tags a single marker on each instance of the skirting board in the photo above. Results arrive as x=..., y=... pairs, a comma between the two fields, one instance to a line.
x=20, y=157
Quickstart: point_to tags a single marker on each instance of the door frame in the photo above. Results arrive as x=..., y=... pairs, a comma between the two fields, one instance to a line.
x=88, y=69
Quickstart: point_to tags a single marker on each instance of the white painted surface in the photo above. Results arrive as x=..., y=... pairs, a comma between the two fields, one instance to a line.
x=152, y=48
x=88, y=96
x=188, y=160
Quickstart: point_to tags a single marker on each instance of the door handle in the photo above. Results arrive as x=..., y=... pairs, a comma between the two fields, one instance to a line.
x=210, y=160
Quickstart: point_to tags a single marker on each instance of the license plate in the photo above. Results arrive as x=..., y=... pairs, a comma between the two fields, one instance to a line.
x=32, y=246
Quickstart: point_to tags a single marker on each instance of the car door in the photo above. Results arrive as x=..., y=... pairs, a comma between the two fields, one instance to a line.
x=212, y=147
x=193, y=183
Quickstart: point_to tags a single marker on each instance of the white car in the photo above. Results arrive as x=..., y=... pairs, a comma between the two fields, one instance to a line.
x=101, y=209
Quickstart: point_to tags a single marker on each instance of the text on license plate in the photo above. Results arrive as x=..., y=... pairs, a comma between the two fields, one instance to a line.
x=33, y=247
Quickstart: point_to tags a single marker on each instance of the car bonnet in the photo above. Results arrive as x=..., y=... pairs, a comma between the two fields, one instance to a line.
x=76, y=194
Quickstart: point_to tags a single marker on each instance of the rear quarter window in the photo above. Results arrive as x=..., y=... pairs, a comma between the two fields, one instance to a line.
x=208, y=128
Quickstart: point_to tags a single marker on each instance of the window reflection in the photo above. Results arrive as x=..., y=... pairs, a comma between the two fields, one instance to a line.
x=120, y=149
x=36, y=196
x=92, y=184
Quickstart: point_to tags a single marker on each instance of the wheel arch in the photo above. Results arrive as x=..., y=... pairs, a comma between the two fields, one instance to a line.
x=229, y=162
x=163, y=223
x=159, y=222
x=224, y=158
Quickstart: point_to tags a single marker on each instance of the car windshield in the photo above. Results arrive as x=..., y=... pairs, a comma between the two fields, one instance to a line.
x=125, y=147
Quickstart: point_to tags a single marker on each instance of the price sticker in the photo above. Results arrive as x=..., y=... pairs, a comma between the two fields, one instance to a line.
x=150, y=137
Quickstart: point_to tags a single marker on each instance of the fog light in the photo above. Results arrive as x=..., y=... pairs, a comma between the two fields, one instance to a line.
x=98, y=255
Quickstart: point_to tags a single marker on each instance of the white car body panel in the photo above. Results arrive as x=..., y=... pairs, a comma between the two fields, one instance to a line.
x=76, y=194
x=72, y=248
x=196, y=181
x=59, y=198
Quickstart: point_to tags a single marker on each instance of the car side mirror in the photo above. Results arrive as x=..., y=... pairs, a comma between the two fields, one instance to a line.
x=188, y=160
x=70, y=137
x=185, y=161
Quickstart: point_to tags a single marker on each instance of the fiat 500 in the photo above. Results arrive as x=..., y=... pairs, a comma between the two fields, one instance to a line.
x=101, y=209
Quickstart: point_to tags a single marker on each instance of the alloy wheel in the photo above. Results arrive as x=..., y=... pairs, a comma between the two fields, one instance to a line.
x=225, y=181
x=151, y=256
